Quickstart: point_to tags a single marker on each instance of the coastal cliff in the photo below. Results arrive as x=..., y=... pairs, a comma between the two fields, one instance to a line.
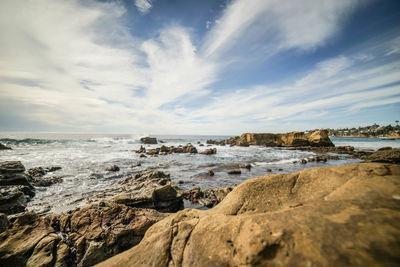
x=315, y=217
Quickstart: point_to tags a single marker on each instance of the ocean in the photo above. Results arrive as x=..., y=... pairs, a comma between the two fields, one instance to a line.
x=81, y=155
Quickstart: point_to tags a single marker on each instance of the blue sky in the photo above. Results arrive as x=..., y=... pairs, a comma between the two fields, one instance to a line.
x=198, y=67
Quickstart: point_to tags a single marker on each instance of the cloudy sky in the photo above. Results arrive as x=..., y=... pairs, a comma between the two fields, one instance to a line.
x=198, y=67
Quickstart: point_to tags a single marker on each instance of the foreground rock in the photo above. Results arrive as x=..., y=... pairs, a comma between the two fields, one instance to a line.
x=148, y=140
x=147, y=189
x=81, y=238
x=15, y=188
x=333, y=216
x=3, y=147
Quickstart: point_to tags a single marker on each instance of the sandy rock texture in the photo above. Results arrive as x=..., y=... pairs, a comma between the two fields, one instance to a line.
x=332, y=216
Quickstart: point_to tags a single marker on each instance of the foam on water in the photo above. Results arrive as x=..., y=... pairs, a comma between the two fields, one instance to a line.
x=81, y=155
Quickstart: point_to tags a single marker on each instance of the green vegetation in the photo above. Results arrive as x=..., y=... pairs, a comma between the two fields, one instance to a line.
x=374, y=130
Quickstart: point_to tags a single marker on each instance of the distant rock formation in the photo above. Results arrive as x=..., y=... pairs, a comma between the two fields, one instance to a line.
x=148, y=140
x=333, y=216
x=316, y=138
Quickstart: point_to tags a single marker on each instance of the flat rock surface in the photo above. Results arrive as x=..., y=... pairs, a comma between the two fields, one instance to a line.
x=333, y=216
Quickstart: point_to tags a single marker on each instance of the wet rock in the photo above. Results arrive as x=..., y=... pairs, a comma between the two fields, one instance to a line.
x=235, y=172
x=247, y=166
x=386, y=155
x=181, y=182
x=4, y=223
x=148, y=140
x=280, y=169
x=112, y=168
x=201, y=144
x=41, y=171
x=209, y=151
x=143, y=156
x=82, y=237
x=207, y=197
x=15, y=188
x=303, y=161
x=385, y=148
x=269, y=170
x=210, y=173
x=48, y=181
x=3, y=147
x=315, y=217
x=137, y=164
x=149, y=189
x=141, y=150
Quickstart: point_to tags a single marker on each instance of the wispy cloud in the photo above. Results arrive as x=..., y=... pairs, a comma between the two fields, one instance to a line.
x=88, y=72
x=143, y=6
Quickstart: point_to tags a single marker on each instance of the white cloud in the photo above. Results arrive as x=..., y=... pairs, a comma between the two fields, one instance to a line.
x=303, y=24
x=143, y=6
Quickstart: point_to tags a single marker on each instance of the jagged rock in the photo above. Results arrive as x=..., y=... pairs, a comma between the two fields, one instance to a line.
x=48, y=181
x=148, y=140
x=4, y=223
x=112, y=168
x=41, y=171
x=209, y=151
x=3, y=147
x=148, y=189
x=141, y=150
x=332, y=216
x=386, y=155
x=15, y=188
x=207, y=197
x=82, y=237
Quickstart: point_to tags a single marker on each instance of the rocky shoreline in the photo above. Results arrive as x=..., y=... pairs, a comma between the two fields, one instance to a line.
x=118, y=219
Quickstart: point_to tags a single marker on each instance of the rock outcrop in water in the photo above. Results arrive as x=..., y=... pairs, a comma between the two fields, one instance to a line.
x=388, y=155
x=3, y=147
x=316, y=138
x=147, y=189
x=333, y=216
x=15, y=188
x=82, y=237
x=37, y=176
x=148, y=140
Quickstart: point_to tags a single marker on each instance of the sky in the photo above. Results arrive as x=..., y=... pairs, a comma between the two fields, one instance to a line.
x=198, y=67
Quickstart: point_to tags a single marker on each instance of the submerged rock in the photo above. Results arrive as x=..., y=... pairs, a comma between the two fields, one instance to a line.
x=148, y=140
x=235, y=172
x=112, y=168
x=82, y=237
x=332, y=216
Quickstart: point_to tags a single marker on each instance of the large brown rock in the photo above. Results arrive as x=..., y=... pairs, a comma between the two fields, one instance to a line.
x=333, y=216
x=292, y=139
x=80, y=238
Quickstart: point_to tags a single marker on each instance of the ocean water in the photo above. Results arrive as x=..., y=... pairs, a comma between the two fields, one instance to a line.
x=81, y=155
